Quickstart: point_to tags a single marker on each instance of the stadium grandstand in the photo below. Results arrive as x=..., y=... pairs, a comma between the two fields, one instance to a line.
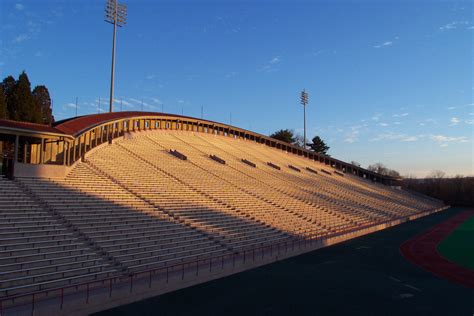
x=103, y=210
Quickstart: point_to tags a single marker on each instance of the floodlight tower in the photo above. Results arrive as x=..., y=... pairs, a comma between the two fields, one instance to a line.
x=116, y=14
x=304, y=98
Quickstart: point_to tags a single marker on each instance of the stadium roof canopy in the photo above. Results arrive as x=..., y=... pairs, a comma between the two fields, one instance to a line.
x=69, y=140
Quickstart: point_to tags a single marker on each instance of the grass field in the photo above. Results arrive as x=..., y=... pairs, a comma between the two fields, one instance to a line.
x=363, y=276
x=458, y=247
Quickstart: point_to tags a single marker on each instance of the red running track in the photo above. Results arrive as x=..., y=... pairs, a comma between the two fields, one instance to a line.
x=422, y=251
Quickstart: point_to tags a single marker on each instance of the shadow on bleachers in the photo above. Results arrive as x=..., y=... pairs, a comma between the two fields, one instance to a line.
x=132, y=206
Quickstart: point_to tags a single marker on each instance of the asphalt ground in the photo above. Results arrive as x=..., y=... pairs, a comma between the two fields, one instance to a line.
x=362, y=276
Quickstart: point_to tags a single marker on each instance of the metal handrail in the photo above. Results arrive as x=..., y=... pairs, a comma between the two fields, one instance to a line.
x=310, y=238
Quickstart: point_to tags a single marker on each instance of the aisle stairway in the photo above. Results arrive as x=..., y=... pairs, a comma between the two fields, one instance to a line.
x=133, y=206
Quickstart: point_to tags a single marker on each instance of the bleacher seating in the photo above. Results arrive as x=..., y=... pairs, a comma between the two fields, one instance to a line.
x=133, y=206
x=38, y=249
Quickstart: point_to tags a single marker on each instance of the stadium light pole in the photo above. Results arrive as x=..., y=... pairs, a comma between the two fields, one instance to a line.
x=116, y=14
x=304, y=101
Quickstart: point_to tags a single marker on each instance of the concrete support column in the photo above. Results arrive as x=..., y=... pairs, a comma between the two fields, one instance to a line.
x=15, y=154
x=74, y=151
x=66, y=149
x=64, y=153
x=86, y=140
x=80, y=145
x=102, y=129
x=42, y=151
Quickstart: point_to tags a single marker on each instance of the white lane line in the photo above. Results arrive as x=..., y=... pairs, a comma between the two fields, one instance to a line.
x=412, y=287
x=394, y=279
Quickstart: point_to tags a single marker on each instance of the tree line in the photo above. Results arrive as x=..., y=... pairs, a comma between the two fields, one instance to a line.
x=288, y=136
x=383, y=170
x=455, y=191
x=19, y=103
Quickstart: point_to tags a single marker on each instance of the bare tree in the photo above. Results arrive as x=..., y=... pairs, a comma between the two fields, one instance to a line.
x=355, y=163
x=299, y=140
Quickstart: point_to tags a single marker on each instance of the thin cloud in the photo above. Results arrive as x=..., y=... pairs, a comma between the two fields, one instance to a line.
x=20, y=38
x=135, y=100
x=453, y=107
x=231, y=74
x=19, y=6
x=353, y=135
x=156, y=100
x=453, y=25
x=444, y=141
x=400, y=115
x=376, y=117
x=387, y=44
x=410, y=139
x=396, y=137
x=317, y=53
x=432, y=120
x=384, y=44
x=272, y=64
x=455, y=121
x=71, y=105
x=123, y=102
x=275, y=60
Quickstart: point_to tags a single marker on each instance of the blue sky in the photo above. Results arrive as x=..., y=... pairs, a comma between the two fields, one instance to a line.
x=389, y=81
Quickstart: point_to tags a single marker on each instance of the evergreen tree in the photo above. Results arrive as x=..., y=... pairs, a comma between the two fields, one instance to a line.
x=24, y=102
x=19, y=103
x=43, y=103
x=285, y=135
x=8, y=85
x=3, y=104
x=319, y=146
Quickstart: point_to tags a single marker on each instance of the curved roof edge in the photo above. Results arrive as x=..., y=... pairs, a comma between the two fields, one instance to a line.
x=74, y=127
x=77, y=125
x=29, y=127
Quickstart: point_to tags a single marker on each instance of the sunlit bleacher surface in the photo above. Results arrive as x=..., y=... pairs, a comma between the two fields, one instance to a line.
x=132, y=206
